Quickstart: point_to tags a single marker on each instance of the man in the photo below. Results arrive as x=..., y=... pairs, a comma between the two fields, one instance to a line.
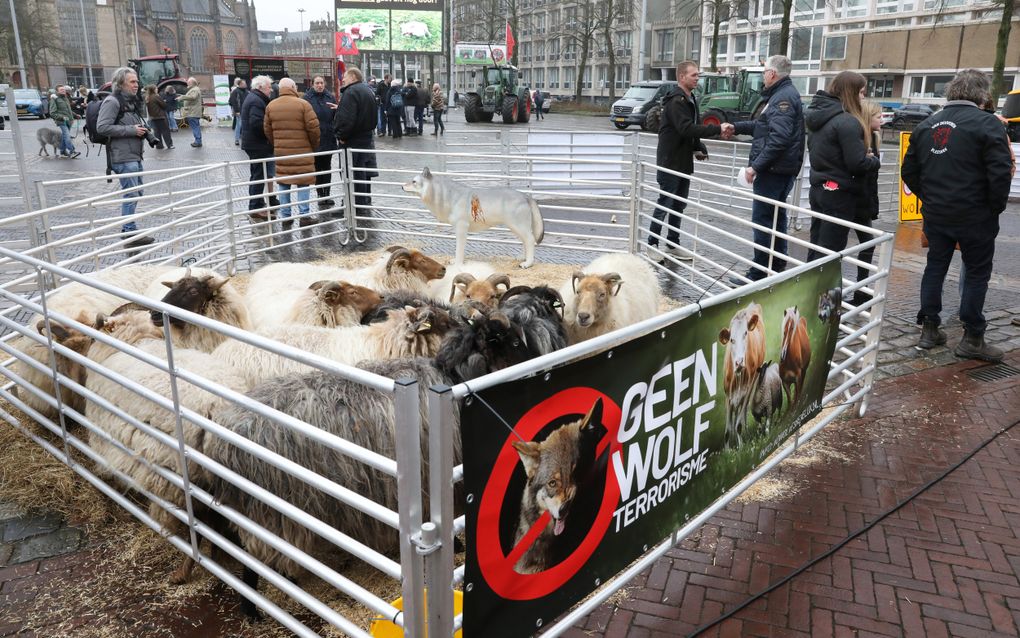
x=192, y=111
x=324, y=105
x=257, y=147
x=236, y=100
x=382, y=92
x=121, y=120
x=292, y=128
x=410, y=94
x=423, y=99
x=539, y=101
x=959, y=164
x=680, y=142
x=775, y=160
x=355, y=120
x=63, y=115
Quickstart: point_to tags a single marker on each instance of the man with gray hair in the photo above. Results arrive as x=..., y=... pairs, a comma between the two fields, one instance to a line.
x=958, y=164
x=192, y=111
x=121, y=121
x=775, y=160
x=258, y=148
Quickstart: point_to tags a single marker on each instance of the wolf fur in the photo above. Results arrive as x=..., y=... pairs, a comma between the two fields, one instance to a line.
x=553, y=468
x=471, y=209
x=48, y=136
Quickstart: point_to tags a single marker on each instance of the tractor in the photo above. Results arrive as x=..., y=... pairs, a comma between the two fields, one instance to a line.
x=500, y=93
x=160, y=70
x=742, y=104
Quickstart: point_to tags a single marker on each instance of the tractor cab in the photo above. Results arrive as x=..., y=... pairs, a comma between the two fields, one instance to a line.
x=500, y=92
x=159, y=70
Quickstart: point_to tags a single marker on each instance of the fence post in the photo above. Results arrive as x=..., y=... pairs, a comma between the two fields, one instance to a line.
x=228, y=189
x=881, y=287
x=439, y=563
x=57, y=389
x=637, y=172
x=504, y=142
x=39, y=235
x=407, y=421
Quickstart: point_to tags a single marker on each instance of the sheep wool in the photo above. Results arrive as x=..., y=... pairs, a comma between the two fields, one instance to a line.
x=636, y=300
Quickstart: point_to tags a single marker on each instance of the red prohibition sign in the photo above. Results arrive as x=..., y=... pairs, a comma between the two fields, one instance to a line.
x=498, y=568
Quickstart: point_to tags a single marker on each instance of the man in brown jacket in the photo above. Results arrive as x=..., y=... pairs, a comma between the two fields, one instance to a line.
x=292, y=128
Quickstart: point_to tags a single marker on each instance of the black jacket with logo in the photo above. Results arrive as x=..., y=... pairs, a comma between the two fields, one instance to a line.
x=778, y=145
x=958, y=164
x=836, y=145
x=680, y=132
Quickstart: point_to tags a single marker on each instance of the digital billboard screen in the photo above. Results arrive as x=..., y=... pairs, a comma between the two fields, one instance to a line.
x=387, y=25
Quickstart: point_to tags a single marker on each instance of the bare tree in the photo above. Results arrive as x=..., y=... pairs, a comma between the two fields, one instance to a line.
x=784, y=27
x=37, y=25
x=720, y=10
x=1001, y=42
x=612, y=16
x=578, y=29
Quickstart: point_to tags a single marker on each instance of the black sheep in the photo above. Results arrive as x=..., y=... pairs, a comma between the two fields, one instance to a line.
x=539, y=313
x=481, y=346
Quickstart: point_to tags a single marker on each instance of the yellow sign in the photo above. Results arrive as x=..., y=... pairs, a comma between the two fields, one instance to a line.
x=910, y=205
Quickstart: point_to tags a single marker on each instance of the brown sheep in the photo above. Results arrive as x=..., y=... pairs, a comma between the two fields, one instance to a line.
x=485, y=291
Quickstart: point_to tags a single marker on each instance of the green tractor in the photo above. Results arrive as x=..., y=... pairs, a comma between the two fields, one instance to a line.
x=744, y=103
x=500, y=93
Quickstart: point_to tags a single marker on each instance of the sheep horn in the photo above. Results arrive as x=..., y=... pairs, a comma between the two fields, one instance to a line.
x=391, y=249
x=611, y=279
x=499, y=278
x=513, y=292
x=319, y=284
x=399, y=253
x=100, y=321
x=573, y=282
x=187, y=272
x=216, y=282
x=465, y=278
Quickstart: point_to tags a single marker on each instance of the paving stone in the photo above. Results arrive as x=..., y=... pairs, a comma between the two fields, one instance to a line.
x=29, y=525
x=5, y=553
x=9, y=511
x=62, y=541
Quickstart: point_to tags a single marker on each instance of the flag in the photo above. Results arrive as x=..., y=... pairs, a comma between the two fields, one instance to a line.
x=510, y=42
x=345, y=44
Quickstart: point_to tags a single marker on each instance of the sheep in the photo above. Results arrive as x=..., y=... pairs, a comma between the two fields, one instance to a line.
x=399, y=299
x=408, y=332
x=210, y=295
x=597, y=301
x=537, y=311
x=767, y=398
x=482, y=346
x=397, y=269
x=486, y=291
x=331, y=304
x=137, y=329
x=340, y=407
x=158, y=286
x=440, y=288
x=43, y=381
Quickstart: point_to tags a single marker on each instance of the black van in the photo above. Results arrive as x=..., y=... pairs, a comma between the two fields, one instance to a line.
x=635, y=103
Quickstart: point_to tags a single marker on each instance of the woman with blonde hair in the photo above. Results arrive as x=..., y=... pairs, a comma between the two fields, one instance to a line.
x=838, y=142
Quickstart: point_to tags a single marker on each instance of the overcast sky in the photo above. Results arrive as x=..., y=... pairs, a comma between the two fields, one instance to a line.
x=276, y=16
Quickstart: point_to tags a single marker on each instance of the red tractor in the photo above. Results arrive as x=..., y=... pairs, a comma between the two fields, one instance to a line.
x=160, y=70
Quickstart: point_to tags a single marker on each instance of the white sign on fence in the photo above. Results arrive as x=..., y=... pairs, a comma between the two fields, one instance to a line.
x=575, y=148
x=222, y=83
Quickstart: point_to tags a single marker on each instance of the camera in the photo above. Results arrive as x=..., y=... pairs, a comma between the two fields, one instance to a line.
x=154, y=142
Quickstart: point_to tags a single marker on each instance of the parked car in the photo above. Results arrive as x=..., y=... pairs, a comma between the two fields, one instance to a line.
x=4, y=111
x=911, y=114
x=29, y=102
x=887, y=116
x=637, y=101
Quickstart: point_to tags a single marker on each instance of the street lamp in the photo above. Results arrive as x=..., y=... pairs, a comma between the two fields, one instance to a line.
x=17, y=45
x=302, y=12
x=88, y=51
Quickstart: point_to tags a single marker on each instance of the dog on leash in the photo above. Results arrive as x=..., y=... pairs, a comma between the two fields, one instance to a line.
x=48, y=136
x=472, y=209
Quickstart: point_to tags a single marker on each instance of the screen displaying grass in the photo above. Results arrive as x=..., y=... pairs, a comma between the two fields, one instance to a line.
x=417, y=31
x=369, y=28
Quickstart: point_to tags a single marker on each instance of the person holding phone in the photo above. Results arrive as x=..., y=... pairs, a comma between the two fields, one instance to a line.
x=324, y=105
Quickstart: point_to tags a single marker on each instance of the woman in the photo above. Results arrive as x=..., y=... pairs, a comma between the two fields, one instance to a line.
x=438, y=106
x=170, y=97
x=157, y=116
x=867, y=202
x=838, y=147
x=396, y=109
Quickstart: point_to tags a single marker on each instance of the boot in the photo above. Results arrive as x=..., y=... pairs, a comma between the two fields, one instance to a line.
x=931, y=335
x=974, y=347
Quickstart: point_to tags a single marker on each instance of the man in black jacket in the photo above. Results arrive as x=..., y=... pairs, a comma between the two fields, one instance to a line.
x=355, y=120
x=382, y=94
x=255, y=143
x=958, y=164
x=775, y=160
x=237, y=97
x=324, y=105
x=680, y=142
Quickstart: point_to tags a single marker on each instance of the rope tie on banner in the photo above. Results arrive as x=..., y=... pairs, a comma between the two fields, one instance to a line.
x=712, y=285
x=474, y=394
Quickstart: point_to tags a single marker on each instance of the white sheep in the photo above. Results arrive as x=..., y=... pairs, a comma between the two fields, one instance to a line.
x=137, y=329
x=332, y=304
x=43, y=380
x=614, y=291
x=410, y=332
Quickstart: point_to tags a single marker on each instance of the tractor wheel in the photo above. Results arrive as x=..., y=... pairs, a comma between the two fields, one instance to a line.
x=621, y=125
x=486, y=116
x=652, y=119
x=473, y=108
x=510, y=109
x=524, y=106
x=712, y=116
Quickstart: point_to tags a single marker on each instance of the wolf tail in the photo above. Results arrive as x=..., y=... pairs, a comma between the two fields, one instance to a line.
x=537, y=224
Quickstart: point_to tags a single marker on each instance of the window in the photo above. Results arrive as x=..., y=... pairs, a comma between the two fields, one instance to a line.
x=199, y=44
x=230, y=43
x=664, y=45
x=806, y=43
x=880, y=87
x=554, y=78
x=622, y=75
x=743, y=47
x=166, y=38
x=72, y=36
x=569, y=74
x=852, y=8
x=805, y=85
x=936, y=84
x=835, y=48
x=586, y=81
x=768, y=44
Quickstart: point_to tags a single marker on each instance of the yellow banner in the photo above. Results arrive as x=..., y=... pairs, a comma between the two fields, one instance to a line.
x=910, y=205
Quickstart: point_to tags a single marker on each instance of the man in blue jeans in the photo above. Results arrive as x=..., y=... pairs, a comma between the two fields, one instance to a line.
x=121, y=120
x=775, y=160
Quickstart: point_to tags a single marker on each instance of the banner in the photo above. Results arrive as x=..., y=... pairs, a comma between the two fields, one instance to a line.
x=392, y=25
x=222, y=92
x=910, y=205
x=574, y=473
x=487, y=54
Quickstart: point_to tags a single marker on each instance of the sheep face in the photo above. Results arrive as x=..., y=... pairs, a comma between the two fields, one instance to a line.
x=189, y=293
x=341, y=293
x=593, y=295
x=129, y=327
x=72, y=340
x=486, y=291
x=416, y=262
x=427, y=320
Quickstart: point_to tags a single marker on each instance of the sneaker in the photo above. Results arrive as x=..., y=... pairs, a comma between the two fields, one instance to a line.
x=75, y=154
x=974, y=347
x=307, y=220
x=737, y=281
x=932, y=335
x=171, y=146
x=261, y=216
x=237, y=142
x=196, y=145
x=679, y=255
x=139, y=242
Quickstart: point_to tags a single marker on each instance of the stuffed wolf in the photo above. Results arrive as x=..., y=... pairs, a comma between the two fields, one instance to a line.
x=467, y=208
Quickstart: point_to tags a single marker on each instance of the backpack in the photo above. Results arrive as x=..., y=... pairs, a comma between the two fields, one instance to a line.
x=396, y=100
x=92, y=122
